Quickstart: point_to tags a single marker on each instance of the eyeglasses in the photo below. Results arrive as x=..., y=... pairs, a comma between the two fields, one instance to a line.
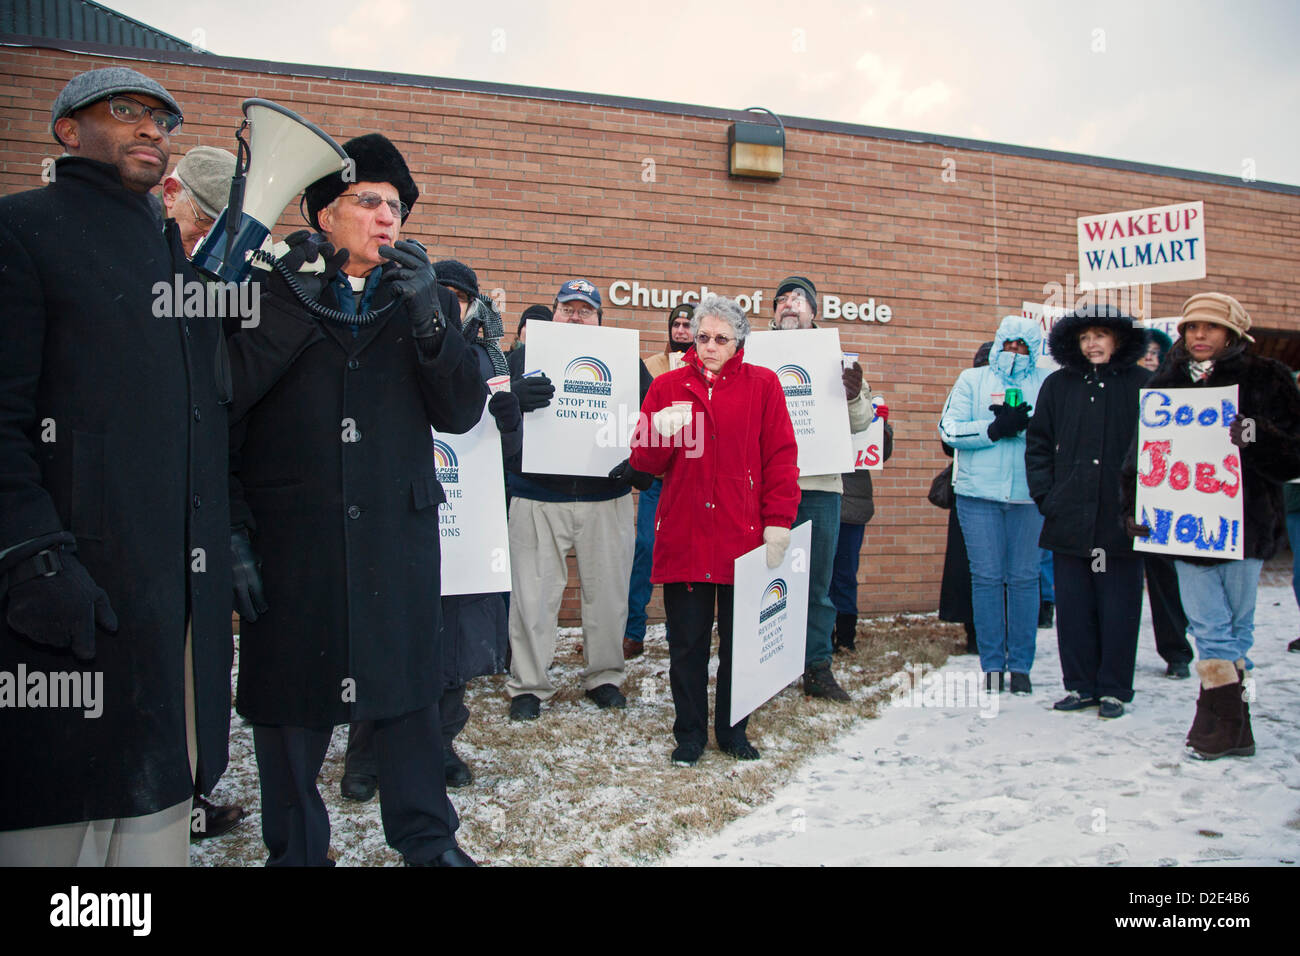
x=200, y=220
x=372, y=201
x=572, y=310
x=704, y=339
x=132, y=111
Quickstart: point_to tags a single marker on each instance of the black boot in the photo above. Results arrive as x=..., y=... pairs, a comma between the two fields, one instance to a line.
x=846, y=631
x=1046, y=612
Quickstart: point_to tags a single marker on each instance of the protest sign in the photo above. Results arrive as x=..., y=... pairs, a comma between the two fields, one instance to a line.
x=472, y=522
x=1046, y=316
x=587, y=428
x=769, y=623
x=1159, y=244
x=1189, y=473
x=869, y=446
x=807, y=361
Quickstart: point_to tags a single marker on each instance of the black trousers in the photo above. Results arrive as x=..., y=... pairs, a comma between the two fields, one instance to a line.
x=361, y=756
x=690, y=612
x=1167, y=615
x=418, y=819
x=1097, y=618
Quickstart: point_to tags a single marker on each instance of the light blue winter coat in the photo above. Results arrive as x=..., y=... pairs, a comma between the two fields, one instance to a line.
x=985, y=468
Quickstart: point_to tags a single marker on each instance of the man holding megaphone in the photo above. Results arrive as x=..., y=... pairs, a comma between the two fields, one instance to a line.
x=335, y=510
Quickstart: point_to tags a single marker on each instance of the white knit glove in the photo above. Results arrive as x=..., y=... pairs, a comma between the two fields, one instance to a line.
x=670, y=420
x=777, y=540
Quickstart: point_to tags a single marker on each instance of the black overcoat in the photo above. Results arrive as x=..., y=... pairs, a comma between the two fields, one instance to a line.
x=112, y=432
x=337, y=472
x=1083, y=423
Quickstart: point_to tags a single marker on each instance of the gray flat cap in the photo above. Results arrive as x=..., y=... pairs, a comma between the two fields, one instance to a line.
x=205, y=172
x=86, y=88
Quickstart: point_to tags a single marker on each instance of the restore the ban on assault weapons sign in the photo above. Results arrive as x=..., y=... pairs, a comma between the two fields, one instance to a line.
x=472, y=522
x=1189, y=473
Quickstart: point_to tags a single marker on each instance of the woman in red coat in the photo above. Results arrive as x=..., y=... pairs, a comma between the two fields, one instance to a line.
x=718, y=431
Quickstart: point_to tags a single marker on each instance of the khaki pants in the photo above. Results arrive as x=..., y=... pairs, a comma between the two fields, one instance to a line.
x=156, y=839
x=603, y=534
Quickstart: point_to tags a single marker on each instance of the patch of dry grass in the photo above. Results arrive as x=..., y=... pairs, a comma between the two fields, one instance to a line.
x=583, y=786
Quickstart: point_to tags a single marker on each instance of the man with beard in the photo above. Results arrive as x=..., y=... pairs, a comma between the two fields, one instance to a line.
x=819, y=502
x=639, y=588
x=113, y=505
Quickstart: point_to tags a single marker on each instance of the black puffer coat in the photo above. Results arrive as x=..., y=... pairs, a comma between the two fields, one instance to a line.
x=1267, y=394
x=1085, y=419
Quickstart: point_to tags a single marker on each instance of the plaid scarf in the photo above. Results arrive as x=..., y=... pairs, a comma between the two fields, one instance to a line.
x=1200, y=370
x=692, y=359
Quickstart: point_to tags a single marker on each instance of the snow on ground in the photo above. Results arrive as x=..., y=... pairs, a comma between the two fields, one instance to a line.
x=954, y=785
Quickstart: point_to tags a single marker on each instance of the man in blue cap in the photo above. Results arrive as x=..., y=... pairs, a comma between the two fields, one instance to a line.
x=551, y=515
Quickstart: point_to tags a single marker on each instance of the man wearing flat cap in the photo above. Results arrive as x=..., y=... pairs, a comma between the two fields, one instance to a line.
x=795, y=307
x=195, y=192
x=1219, y=595
x=335, y=510
x=114, y=587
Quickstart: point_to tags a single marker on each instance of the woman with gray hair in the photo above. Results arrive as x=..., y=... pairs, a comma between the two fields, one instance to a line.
x=718, y=431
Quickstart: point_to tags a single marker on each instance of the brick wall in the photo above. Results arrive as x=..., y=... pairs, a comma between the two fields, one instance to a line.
x=531, y=191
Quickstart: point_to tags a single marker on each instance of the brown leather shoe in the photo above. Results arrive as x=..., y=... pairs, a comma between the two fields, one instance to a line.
x=632, y=648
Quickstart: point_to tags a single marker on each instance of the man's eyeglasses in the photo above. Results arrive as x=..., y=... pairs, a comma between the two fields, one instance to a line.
x=704, y=339
x=200, y=220
x=572, y=310
x=132, y=111
x=372, y=201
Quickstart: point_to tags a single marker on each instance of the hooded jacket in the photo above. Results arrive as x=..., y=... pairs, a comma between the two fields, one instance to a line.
x=728, y=474
x=1267, y=394
x=1081, y=428
x=985, y=468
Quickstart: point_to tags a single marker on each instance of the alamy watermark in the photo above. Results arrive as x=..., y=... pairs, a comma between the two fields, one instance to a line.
x=63, y=690
x=917, y=686
x=192, y=299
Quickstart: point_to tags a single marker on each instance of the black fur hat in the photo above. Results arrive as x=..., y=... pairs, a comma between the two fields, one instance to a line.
x=1063, y=342
x=377, y=161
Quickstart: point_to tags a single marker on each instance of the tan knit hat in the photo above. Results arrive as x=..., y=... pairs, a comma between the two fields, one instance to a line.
x=1219, y=309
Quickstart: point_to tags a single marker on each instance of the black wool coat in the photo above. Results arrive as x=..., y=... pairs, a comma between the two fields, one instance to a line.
x=1083, y=423
x=134, y=471
x=1267, y=394
x=337, y=474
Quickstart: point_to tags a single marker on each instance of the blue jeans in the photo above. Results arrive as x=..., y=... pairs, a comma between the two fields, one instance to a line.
x=1002, y=543
x=639, y=587
x=1219, y=600
x=1293, y=533
x=822, y=508
x=1046, y=576
x=844, y=574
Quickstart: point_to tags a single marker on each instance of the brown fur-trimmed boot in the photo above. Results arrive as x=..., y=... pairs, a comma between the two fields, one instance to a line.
x=1218, y=729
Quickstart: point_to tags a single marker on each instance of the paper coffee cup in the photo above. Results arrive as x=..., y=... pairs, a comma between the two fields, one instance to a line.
x=498, y=383
x=848, y=358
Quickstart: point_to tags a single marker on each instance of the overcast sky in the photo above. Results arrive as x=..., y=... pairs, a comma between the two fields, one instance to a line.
x=1195, y=84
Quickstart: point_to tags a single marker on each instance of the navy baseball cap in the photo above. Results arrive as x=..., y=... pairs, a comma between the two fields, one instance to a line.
x=579, y=289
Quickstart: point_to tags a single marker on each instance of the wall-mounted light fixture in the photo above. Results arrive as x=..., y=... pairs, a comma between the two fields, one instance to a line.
x=757, y=150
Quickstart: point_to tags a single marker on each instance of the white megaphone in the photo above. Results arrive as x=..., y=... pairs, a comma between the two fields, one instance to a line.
x=287, y=154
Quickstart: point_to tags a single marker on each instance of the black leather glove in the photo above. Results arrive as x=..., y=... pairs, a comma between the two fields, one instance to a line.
x=1135, y=530
x=416, y=282
x=504, y=407
x=1008, y=420
x=852, y=379
x=305, y=246
x=624, y=472
x=59, y=609
x=246, y=572
x=534, y=391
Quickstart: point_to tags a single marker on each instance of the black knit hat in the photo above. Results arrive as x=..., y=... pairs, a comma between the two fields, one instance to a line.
x=538, y=313
x=377, y=161
x=457, y=275
x=797, y=282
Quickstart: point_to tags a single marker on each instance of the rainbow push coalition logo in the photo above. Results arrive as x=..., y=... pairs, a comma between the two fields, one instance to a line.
x=795, y=381
x=773, y=600
x=444, y=460
x=586, y=375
